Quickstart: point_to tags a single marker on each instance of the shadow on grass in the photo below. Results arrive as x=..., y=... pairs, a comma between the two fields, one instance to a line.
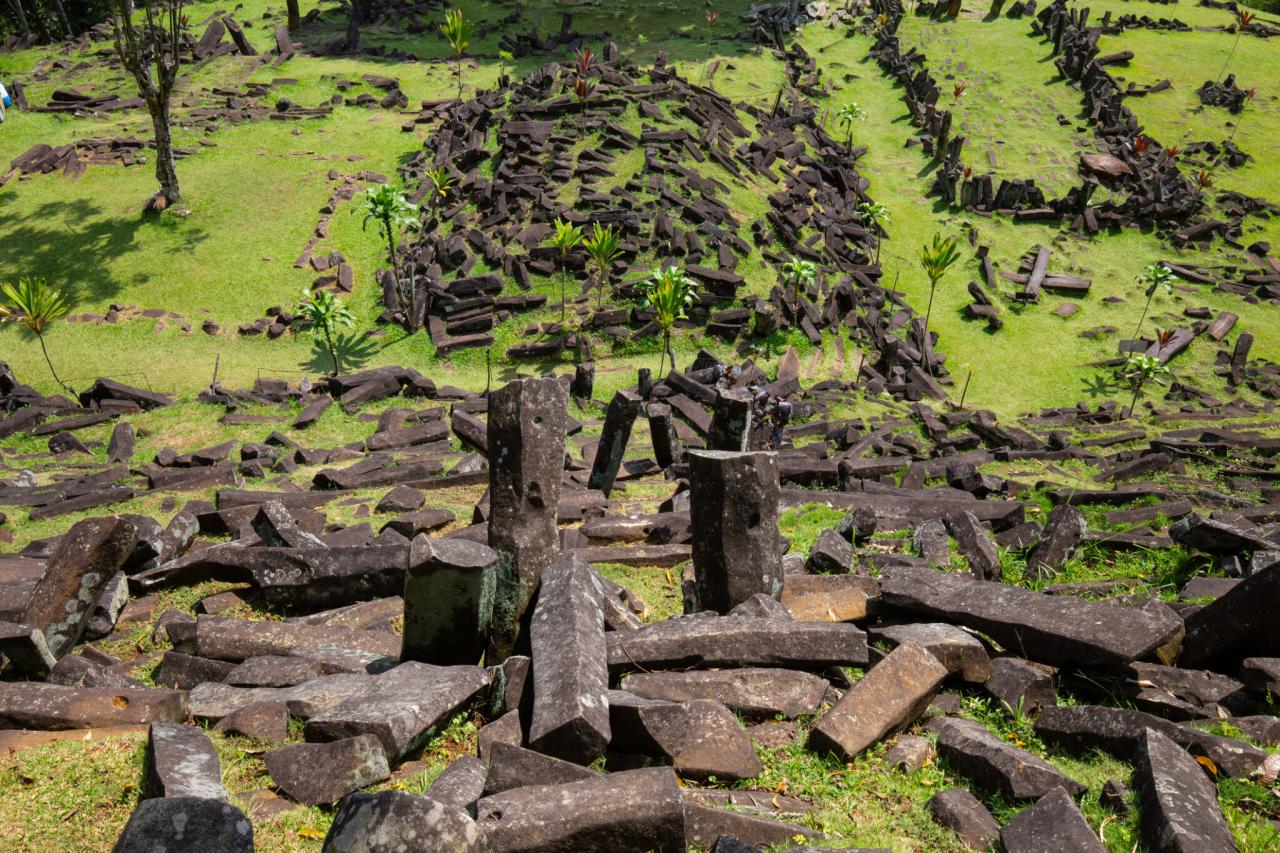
x=354, y=351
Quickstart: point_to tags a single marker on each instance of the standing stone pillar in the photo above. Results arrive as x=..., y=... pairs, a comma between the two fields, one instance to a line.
x=737, y=548
x=614, y=435
x=730, y=421
x=662, y=430
x=448, y=601
x=526, y=458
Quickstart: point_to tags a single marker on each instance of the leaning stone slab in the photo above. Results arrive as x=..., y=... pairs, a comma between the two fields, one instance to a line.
x=1240, y=624
x=394, y=820
x=614, y=435
x=891, y=696
x=25, y=648
x=317, y=773
x=700, y=738
x=460, y=784
x=189, y=824
x=995, y=764
x=1119, y=731
x=1179, y=811
x=737, y=549
x=181, y=762
x=1053, y=825
x=448, y=600
x=86, y=557
x=1062, y=534
x=570, y=674
x=1046, y=628
x=959, y=651
x=733, y=641
x=211, y=701
x=962, y=813
x=629, y=812
x=753, y=691
x=32, y=705
x=513, y=767
x=403, y=708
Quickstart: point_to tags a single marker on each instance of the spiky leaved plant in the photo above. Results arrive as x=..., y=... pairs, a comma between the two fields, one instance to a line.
x=323, y=314
x=875, y=216
x=390, y=209
x=35, y=305
x=850, y=113
x=1154, y=277
x=456, y=30
x=603, y=246
x=799, y=273
x=669, y=292
x=1139, y=369
x=564, y=239
x=936, y=259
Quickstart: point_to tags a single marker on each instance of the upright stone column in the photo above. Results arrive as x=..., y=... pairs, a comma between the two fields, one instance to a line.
x=662, y=430
x=734, y=518
x=614, y=436
x=730, y=421
x=526, y=458
x=448, y=601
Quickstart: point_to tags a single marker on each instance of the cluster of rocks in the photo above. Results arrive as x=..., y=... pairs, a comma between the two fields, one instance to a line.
x=574, y=674
x=1225, y=93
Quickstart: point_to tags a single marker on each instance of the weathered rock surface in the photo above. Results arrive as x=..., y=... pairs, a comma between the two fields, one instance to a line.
x=993, y=763
x=316, y=773
x=1178, y=805
x=392, y=821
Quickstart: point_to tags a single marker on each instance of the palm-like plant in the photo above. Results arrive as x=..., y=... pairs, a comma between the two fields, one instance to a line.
x=604, y=245
x=875, y=216
x=798, y=273
x=1243, y=19
x=456, y=30
x=391, y=210
x=849, y=114
x=669, y=292
x=1140, y=369
x=936, y=259
x=564, y=239
x=713, y=15
x=34, y=305
x=1154, y=277
x=442, y=183
x=323, y=314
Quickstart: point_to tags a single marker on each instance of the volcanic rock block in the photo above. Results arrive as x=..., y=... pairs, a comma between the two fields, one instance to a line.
x=704, y=825
x=460, y=784
x=749, y=691
x=526, y=432
x=909, y=753
x=274, y=671
x=570, y=676
x=614, y=435
x=1239, y=625
x=86, y=557
x=737, y=549
x=448, y=600
x=730, y=422
x=1053, y=825
x=993, y=763
x=276, y=528
x=701, y=739
x=226, y=638
x=962, y=813
x=891, y=696
x=735, y=641
x=394, y=820
x=662, y=429
x=831, y=554
x=629, y=812
x=120, y=447
x=826, y=598
x=975, y=545
x=512, y=766
x=1179, y=810
x=181, y=762
x=1021, y=685
x=1045, y=628
x=183, y=672
x=959, y=651
x=1119, y=731
x=1261, y=674
x=267, y=721
x=1216, y=537
x=406, y=705
x=189, y=824
x=400, y=499
x=51, y=707
x=1062, y=535
x=317, y=773
x=25, y=647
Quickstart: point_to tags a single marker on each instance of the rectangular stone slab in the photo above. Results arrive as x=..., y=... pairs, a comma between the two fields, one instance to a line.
x=1178, y=805
x=181, y=762
x=227, y=638
x=707, y=641
x=754, y=691
x=1045, y=628
x=31, y=705
x=629, y=812
x=991, y=762
x=892, y=695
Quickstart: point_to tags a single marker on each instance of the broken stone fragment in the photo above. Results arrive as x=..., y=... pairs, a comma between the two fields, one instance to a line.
x=959, y=651
x=751, y=691
x=962, y=813
x=189, y=824
x=448, y=600
x=1178, y=805
x=318, y=773
x=1053, y=825
x=734, y=641
x=394, y=820
x=181, y=762
x=993, y=763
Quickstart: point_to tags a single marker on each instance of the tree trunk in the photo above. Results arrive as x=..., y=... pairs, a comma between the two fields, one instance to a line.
x=41, y=29
x=61, y=13
x=295, y=18
x=21, y=15
x=166, y=172
x=354, y=21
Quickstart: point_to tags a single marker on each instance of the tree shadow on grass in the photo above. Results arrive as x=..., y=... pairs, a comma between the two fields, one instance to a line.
x=354, y=351
x=71, y=244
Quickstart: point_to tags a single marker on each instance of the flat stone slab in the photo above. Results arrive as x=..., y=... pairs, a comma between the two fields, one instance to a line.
x=318, y=773
x=227, y=638
x=891, y=696
x=826, y=598
x=181, y=762
x=733, y=641
x=1239, y=625
x=1178, y=805
x=32, y=705
x=189, y=824
x=629, y=812
x=959, y=651
x=512, y=766
x=701, y=739
x=1046, y=628
x=1053, y=825
x=962, y=813
x=460, y=784
x=395, y=820
x=752, y=691
x=991, y=762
